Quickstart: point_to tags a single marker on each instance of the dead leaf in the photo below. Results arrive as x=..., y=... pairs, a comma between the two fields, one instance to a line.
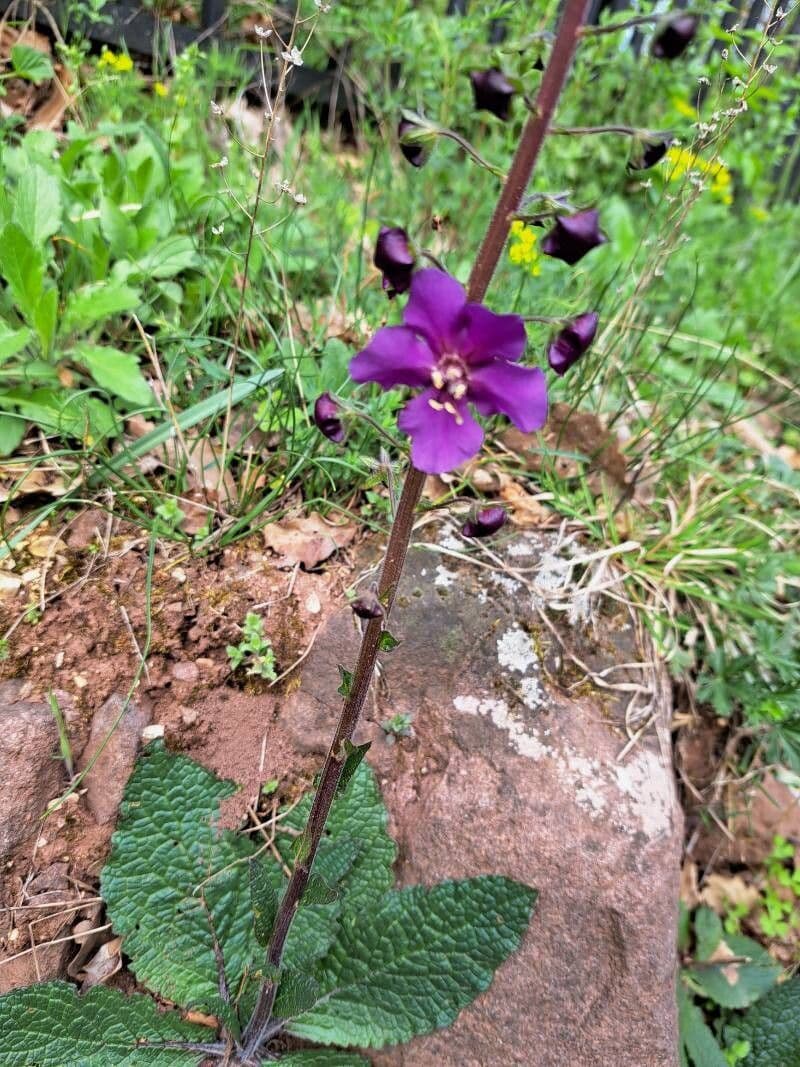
x=103, y=965
x=45, y=547
x=201, y=1019
x=17, y=481
x=526, y=510
x=722, y=953
x=721, y=891
x=688, y=886
x=307, y=539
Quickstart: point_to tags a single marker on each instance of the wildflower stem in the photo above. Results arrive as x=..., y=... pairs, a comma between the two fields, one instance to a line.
x=400, y=535
x=628, y=131
x=637, y=20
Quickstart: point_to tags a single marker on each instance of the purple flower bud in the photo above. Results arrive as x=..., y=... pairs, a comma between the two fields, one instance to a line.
x=493, y=91
x=415, y=151
x=675, y=37
x=572, y=342
x=649, y=153
x=485, y=522
x=367, y=606
x=393, y=256
x=326, y=417
x=573, y=236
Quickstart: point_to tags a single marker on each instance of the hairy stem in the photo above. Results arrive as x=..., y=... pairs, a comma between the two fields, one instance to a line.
x=486, y=261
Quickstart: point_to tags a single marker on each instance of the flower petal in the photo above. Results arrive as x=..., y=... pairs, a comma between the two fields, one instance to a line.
x=508, y=389
x=434, y=308
x=487, y=335
x=440, y=440
x=394, y=356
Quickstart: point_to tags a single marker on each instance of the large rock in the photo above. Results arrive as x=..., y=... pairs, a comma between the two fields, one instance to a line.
x=105, y=782
x=31, y=774
x=519, y=766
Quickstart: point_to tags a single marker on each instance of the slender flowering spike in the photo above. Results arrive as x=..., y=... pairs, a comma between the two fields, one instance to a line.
x=675, y=38
x=493, y=91
x=367, y=606
x=573, y=236
x=393, y=256
x=415, y=151
x=326, y=417
x=485, y=522
x=572, y=342
x=649, y=153
x=458, y=354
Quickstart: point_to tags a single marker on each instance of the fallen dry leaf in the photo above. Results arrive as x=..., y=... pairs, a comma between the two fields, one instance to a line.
x=688, y=885
x=45, y=546
x=103, y=965
x=525, y=510
x=18, y=481
x=720, y=891
x=306, y=539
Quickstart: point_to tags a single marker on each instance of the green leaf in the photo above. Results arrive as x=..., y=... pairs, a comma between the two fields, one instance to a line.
x=358, y=815
x=346, y=681
x=707, y=931
x=296, y=994
x=12, y=430
x=164, y=852
x=772, y=1027
x=171, y=256
x=44, y=319
x=12, y=341
x=118, y=229
x=318, y=892
x=263, y=900
x=31, y=64
x=22, y=266
x=386, y=642
x=70, y=414
x=96, y=303
x=354, y=756
x=414, y=960
x=697, y=1040
x=323, y=1057
x=37, y=205
x=117, y=372
x=737, y=985
x=51, y=1026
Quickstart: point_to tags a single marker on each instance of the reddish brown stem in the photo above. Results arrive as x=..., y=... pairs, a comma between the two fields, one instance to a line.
x=488, y=255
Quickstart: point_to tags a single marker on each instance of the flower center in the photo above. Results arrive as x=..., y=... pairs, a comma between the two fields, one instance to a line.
x=450, y=378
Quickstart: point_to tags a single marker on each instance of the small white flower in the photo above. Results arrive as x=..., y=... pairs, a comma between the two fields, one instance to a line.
x=220, y=164
x=217, y=230
x=322, y=6
x=295, y=57
x=263, y=32
x=703, y=80
x=283, y=187
x=215, y=108
x=724, y=53
x=299, y=198
x=770, y=68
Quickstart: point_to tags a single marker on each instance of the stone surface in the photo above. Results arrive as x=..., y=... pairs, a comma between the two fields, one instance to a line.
x=105, y=782
x=508, y=770
x=30, y=772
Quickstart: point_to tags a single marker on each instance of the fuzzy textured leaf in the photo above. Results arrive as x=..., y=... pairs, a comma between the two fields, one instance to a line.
x=698, y=1043
x=51, y=1026
x=324, y=1057
x=772, y=1026
x=737, y=985
x=413, y=961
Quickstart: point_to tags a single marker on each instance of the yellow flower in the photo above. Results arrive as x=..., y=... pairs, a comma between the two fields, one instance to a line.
x=523, y=251
x=682, y=161
x=684, y=108
x=160, y=89
x=120, y=63
x=759, y=213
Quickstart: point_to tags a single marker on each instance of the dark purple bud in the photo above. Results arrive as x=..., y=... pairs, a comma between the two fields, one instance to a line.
x=572, y=342
x=573, y=236
x=326, y=417
x=649, y=153
x=393, y=256
x=493, y=91
x=367, y=605
x=675, y=37
x=415, y=151
x=484, y=523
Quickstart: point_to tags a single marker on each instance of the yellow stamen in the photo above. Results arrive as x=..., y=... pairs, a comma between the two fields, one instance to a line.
x=437, y=378
x=436, y=405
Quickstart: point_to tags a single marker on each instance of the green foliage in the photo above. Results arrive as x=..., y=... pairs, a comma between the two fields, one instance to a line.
x=771, y=1028
x=254, y=652
x=364, y=964
x=51, y=1025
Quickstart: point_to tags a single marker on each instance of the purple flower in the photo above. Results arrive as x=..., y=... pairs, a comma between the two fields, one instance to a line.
x=326, y=417
x=457, y=353
x=675, y=38
x=572, y=342
x=649, y=153
x=573, y=236
x=484, y=522
x=394, y=258
x=367, y=605
x=493, y=91
x=415, y=151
